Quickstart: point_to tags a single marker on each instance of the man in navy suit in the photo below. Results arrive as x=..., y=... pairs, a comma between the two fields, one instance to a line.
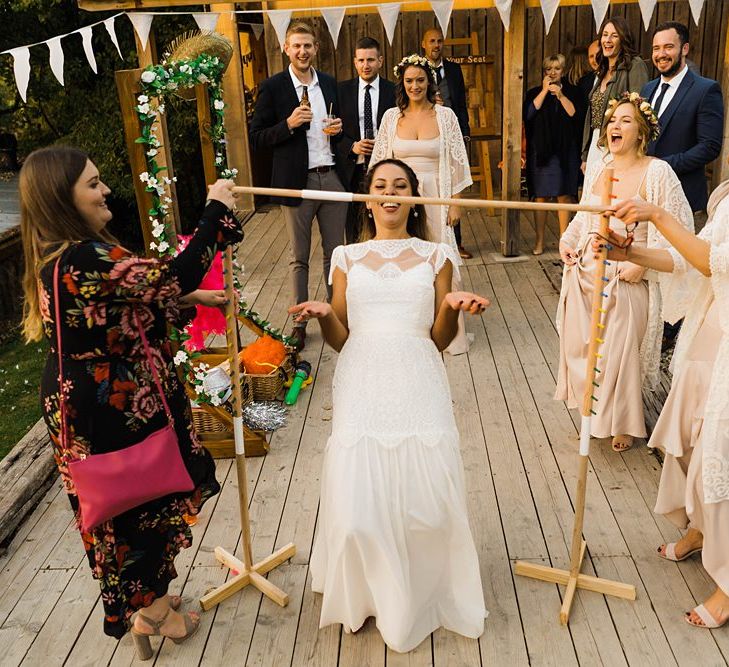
x=362, y=102
x=452, y=89
x=690, y=110
x=302, y=155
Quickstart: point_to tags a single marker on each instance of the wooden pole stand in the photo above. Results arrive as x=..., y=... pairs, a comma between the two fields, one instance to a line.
x=572, y=578
x=246, y=572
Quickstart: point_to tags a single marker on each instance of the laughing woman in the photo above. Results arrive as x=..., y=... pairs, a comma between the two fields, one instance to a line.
x=633, y=324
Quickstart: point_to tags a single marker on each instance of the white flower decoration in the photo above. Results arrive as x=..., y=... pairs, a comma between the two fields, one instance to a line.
x=162, y=246
x=148, y=76
x=152, y=152
x=219, y=105
x=142, y=99
x=180, y=357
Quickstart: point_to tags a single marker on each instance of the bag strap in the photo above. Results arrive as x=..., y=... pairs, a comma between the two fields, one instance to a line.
x=63, y=431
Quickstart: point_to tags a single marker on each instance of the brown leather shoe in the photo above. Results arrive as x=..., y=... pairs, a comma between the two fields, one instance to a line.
x=464, y=253
x=298, y=338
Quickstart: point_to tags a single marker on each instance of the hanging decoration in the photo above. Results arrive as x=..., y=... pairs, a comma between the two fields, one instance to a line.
x=257, y=29
x=206, y=21
x=280, y=19
x=646, y=11
x=142, y=24
x=21, y=69
x=599, y=10
x=109, y=25
x=333, y=17
x=388, y=15
x=442, y=10
x=86, y=34
x=549, y=10
x=696, y=6
x=504, y=9
x=55, y=57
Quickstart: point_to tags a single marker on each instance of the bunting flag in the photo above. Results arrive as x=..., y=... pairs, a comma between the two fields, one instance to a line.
x=646, y=11
x=206, y=21
x=279, y=19
x=442, y=10
x=21, y=69
x=109, y=25
x=142, y=24
x=696, y=6
x=333, y=17
x=549, y=9
x=388, y=15
x=257, y=29
x=55, y=53
x=504, y=7
x=86, y=34
x=599, y=9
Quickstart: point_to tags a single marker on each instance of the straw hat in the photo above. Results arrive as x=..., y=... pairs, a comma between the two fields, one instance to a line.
x=191, y=45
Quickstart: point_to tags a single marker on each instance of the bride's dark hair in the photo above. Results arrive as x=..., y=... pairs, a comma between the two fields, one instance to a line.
x=417, y=224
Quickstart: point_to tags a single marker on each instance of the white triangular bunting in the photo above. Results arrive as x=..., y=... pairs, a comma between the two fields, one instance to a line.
x=86, y=34
x=504, y=7
x=696, y=6
x=109, y=25
x=549, y=9
x=55, y=57
x=21, y=69
x=442, y=10
x=599, y=9
x=389, y=14
x=333, y=17
x=646, y=11
x=257, y=30
x=142, y=24
x=279, y=19
x=206, y=21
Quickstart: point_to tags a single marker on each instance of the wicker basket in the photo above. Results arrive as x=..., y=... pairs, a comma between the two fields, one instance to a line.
x=267, y=387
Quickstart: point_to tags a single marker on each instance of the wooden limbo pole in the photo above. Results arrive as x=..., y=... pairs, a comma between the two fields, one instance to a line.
x=246, y=571
x=572, y=578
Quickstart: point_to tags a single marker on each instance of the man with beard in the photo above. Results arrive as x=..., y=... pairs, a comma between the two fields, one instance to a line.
x=362, y=101
x=296, y=118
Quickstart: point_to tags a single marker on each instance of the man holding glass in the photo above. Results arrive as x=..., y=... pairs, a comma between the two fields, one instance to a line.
x=296, y=118
x=362, y=102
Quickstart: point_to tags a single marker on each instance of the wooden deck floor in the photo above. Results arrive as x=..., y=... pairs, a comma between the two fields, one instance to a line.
x=519, y=453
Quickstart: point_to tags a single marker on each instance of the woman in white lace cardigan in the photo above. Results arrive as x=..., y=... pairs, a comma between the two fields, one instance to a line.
x=633, y=324
x=426, y=136
x=693, y=428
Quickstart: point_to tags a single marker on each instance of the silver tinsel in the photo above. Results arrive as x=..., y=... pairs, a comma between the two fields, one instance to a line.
x=264, y=415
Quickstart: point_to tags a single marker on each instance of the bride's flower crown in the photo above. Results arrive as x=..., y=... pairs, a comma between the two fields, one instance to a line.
x=413, y=59
x=642, y=105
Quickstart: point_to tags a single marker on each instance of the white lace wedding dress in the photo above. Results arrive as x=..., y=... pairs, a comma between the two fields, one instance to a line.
x=393, y=537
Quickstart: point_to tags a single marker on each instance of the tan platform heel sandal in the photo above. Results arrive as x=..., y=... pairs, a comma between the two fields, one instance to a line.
x=141, y=639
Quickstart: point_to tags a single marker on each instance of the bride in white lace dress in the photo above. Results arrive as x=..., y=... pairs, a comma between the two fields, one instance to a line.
x=393, y=539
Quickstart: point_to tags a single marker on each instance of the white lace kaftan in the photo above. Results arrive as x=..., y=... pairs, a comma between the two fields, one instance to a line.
x=393, y=539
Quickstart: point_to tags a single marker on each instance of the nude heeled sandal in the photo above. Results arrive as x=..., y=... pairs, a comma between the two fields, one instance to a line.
x=141, y=639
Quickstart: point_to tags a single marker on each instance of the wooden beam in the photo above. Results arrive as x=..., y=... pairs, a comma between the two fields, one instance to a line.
x=511, y=125
x=236, y=123
x=721, y=172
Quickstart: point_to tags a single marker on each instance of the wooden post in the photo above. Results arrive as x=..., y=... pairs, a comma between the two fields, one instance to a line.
x=204, y=121
x=721, y=172
x=236, y=123
x=511, y=125
x=148, y=56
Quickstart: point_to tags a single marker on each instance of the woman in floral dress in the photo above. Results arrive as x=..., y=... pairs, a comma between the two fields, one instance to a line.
x=110, y=394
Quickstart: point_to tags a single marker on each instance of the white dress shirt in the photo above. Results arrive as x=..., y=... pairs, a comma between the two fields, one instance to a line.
x=673, y=85
x=375, y=97
x=320, y=152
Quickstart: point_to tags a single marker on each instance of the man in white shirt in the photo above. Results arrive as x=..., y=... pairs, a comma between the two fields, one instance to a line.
x=293, y=110
x=362, y=102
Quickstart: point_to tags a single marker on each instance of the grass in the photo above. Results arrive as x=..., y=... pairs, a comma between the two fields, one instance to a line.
x=21, y=366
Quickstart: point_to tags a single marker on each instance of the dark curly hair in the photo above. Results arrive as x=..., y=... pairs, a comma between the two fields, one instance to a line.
x=401, y=97
x=627, y=45
x=417, y=224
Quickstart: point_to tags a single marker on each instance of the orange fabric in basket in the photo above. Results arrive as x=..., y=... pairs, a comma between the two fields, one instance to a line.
x=263, y=356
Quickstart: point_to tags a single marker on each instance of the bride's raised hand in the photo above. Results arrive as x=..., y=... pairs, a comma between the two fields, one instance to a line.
x=303, y=312
x=467, y=302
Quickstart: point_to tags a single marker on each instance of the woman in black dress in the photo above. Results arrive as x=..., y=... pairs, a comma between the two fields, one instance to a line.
x=551, y=113
x=110, y=394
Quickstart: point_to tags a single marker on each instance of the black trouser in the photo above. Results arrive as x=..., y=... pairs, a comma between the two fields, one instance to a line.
x=355, y=211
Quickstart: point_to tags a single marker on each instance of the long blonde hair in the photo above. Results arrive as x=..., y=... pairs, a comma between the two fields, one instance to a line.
x=49, y=220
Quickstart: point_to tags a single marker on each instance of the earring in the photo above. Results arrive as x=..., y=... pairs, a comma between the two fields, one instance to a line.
x=415, y=213
x=369, y=213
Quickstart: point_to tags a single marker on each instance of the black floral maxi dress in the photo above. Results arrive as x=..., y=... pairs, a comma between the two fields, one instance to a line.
x=112, y=401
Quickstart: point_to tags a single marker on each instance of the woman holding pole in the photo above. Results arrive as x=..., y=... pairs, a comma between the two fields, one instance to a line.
x=632, y=324
x=693, y=428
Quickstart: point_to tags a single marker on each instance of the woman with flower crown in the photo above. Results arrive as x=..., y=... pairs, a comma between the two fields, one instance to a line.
x=426, y=136
x=632, y=322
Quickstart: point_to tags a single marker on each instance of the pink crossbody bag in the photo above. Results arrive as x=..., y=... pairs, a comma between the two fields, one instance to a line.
x=109, y=484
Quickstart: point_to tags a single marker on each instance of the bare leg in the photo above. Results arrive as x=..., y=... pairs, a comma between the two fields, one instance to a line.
x=564, y=216
x=540, y=218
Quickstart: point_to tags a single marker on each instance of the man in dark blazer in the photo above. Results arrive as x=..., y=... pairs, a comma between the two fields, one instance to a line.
x=452, y=89
x=362, y=102
x=690, y=110
x=302, y=154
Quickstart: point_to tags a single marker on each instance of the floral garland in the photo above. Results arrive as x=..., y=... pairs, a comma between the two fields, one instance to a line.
x=413, y=59
x=158, y=81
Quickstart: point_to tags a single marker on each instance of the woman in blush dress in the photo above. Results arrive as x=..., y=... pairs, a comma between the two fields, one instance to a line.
x=393, y=539
x=426, y=136
x=633, y=322
x=693, y=428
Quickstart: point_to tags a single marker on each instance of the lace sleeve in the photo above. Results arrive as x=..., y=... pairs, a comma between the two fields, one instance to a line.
x=383, y=141
x=442, y=254
x=339, y=261
x=458, y=156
